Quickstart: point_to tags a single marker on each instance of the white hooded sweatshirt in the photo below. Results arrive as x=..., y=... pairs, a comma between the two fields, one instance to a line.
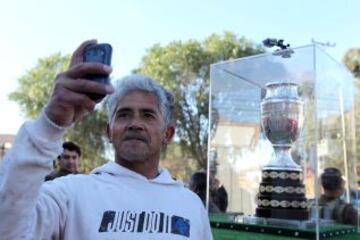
x=111, y=203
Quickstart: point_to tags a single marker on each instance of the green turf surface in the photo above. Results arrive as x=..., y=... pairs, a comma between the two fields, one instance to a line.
x=222, y=225
x=222, y=234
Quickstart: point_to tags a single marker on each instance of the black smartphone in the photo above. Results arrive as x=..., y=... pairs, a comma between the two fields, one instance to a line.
x=100, y=53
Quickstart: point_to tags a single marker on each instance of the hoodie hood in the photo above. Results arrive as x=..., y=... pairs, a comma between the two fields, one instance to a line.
x=115, y=169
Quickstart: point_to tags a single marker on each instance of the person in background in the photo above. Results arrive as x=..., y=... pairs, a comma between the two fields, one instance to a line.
x=219, y=194
x=68, y=160
x=330, y=202
x=197, y=184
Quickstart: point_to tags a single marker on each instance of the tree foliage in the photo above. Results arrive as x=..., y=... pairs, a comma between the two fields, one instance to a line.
x=184, y=69
x=352, y=61
x=33, y=92
x=180, y=164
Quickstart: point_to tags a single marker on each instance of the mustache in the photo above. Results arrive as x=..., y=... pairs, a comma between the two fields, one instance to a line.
x=134, y=135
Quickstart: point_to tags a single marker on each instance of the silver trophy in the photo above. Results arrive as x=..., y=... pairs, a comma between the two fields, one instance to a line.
x=282, y=119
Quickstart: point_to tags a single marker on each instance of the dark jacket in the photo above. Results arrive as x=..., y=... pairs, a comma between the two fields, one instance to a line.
x=56, y=174
x=339, y=210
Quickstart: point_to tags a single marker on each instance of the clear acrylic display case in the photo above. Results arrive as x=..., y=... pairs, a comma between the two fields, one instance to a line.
x=239, y=149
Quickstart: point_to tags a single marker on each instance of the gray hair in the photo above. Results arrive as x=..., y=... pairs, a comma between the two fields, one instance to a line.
x=146, y=84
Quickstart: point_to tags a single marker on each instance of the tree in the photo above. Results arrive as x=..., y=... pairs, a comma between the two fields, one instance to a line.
x=352, y=61
x=180, y=164
x=184, y=69
x=34, y=90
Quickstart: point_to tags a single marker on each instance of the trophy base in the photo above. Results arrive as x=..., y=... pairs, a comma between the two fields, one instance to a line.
x=282, y=195
x=290, y=214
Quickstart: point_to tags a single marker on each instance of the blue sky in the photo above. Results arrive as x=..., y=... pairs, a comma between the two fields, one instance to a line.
x=37, y=28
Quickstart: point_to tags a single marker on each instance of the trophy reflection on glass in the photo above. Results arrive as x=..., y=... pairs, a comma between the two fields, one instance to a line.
x=281, y=191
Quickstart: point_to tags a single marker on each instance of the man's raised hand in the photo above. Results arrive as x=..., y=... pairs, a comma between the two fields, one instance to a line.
x=68, y=102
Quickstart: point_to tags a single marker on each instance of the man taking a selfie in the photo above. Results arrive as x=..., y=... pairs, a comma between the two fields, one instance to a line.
x=130, y=198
